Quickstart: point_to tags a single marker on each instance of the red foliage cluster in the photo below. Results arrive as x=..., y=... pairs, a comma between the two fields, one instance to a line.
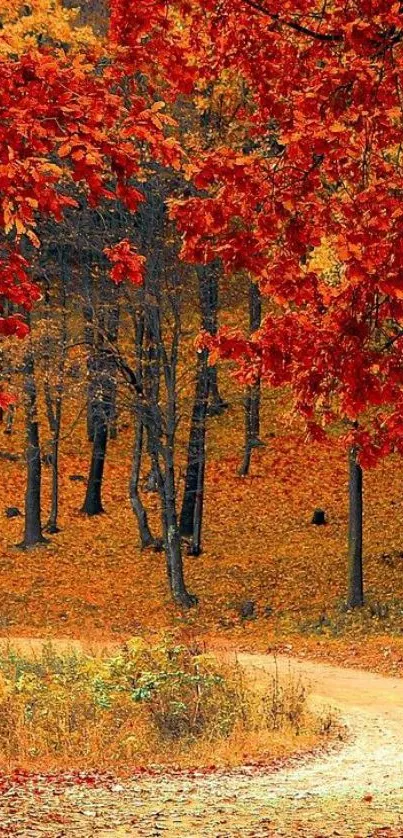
x=127, y=263
x=324, y=114
x=326, y=83
x=67, y=122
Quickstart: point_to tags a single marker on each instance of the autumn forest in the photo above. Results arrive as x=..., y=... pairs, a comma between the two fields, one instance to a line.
x=201, y=418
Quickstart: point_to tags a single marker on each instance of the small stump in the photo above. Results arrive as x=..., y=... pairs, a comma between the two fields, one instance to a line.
x=248, y=610
x=319, y=518
x=13, y=512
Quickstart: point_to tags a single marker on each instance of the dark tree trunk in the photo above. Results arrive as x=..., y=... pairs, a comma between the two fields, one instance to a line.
x=208, y=295
x=151, y=382
x=93, y=499
x=52, y=526
x=157, y=403
x=33, y=525
x=89, y=339
x=192, y=504
x=252, y=395
x=135, y=499
x=196, y=545
x=217, y=405
x=54, y=403
x=101, y=393
x=112, y=332
x=355, y=597
x=173, y=547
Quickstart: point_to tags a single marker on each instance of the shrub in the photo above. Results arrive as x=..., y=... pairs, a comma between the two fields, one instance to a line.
x=149, y=703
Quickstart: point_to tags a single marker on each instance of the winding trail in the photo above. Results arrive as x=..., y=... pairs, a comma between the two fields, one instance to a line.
x=354, y=790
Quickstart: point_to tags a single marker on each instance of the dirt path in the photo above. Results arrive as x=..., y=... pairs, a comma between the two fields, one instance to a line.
x=354, y=791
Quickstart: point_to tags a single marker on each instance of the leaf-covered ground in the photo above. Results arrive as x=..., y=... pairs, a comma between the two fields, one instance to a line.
x=92, y=581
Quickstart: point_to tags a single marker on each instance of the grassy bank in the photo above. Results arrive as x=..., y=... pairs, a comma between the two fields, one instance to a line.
x=164, y=703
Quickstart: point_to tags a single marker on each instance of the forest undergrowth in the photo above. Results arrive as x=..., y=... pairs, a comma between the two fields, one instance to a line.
x=148, y=706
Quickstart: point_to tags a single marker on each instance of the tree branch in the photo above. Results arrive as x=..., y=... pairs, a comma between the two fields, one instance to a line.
x=332, y=37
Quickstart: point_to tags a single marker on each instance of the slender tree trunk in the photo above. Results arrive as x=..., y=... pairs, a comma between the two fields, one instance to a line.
x=252, y=395
x=192, y=504
x=33, y=524
x=208, y=296
x=102, y=369
x=89, y=339
x=52, y=525
x=7, y=415
x=355, y=598
x=196, y=546
x=173, y=546
x=191, y=517
x=112, y=332
x=54, y=402
x=217, y=405
x=93, y=499
x=162, y=297
x=135, y=499
x=151, y=379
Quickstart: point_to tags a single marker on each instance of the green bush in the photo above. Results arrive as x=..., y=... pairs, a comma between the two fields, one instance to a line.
x=74, y=704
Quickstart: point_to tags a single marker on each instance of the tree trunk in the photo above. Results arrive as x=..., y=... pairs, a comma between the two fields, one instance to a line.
x=162, y=297
x=93, y=499
x=89, y=340
x=193, y=499
x=252, y=396
x=112, y=332
x=52, y=526
x=33, y=524
x=151, y=383
x=54, y=402
x=208, y=295
x=135, y=499
x=173, y=548
x=355, y=598
x=196, y=546
x=192, y=504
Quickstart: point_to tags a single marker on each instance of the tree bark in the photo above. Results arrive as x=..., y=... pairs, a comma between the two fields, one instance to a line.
x=208, y=276
x=151, y=381
x=196, y=545
x=112, y=332
x=33, y=524
x=173, y=547
x=137, y=505
x=52, y=525
x=157, y=400
x=54, y=404
x=252, y=395
x=355, y=597
x=93, y=499
x=89, y=340
x=192, y=504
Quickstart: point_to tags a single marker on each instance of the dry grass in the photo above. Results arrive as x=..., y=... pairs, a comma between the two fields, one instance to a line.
x=161, y=704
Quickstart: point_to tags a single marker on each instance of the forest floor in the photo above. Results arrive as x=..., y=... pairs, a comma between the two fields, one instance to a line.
x=355, y=789
x=259, y=545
